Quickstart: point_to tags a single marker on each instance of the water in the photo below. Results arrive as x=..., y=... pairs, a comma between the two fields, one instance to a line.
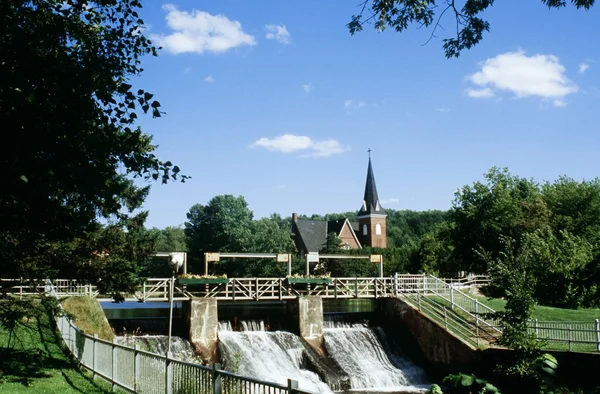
x=180, y=348
x=359, y=352
x=269, y=356
x=358, y=360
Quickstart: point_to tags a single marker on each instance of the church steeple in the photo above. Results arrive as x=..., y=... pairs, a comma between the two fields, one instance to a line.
x=371, y=204
x=372, y=218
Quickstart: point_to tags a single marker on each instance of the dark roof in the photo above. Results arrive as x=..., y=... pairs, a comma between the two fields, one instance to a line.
x=314, y=232
x=371, y=203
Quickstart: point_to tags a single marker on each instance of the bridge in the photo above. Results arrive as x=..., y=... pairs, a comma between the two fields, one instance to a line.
x=253, y=289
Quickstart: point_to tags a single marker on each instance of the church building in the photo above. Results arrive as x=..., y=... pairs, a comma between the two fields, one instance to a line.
x=369, y=230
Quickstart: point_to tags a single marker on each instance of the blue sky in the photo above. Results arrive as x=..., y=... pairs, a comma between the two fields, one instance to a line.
x=277, y=102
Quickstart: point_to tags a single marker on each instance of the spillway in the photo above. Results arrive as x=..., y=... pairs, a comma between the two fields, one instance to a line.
x=359, y=352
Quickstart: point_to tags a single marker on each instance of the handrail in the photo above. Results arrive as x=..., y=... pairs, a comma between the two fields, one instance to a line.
x=141, y=371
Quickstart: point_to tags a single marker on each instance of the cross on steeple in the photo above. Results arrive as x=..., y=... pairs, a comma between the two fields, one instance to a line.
x=369, y=150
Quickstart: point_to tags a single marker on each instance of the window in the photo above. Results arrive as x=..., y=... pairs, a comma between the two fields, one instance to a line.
x=378, y=229
x=365, y=231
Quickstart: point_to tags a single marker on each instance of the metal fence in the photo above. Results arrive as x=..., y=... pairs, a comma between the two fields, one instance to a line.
x=139, y=371
x=558, y=335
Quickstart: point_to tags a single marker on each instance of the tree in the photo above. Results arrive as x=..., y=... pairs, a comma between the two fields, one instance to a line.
x=469, y=26
x=223, y=225
x=70, y=143
x=170, y=239
x=505, y=205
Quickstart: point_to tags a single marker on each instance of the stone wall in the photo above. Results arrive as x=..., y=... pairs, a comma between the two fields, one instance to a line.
x=425, y=341
x=203, y=327
x=308, y=312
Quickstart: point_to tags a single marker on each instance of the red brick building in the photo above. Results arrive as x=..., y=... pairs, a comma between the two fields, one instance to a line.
x=370, y=230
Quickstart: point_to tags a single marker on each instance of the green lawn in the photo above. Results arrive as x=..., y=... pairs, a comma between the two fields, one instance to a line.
x=36, y=364
x=548, y=313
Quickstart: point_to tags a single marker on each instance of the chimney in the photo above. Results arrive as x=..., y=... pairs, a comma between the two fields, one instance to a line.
x=294, y=217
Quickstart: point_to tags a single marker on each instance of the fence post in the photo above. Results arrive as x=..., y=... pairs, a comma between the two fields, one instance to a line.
x=452, y=297
x=570, y=337
x=168, y=374
x=216, y=378
x=356, y=287
x=424, y=283
x=291, y=386
x=395, y=283
x=597, y=325
x=476, y=313
x=114, y=364
x=94, y=356
x=136, y=366
x=535, y=328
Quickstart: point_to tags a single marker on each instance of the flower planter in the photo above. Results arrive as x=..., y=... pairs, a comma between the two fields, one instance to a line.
x=202, y=281
x=312, y=281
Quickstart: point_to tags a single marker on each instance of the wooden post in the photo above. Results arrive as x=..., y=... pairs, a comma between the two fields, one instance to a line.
x=205, y=264
x=395, y=283
x=307, y=270
x=289, y=265
x=452, y=298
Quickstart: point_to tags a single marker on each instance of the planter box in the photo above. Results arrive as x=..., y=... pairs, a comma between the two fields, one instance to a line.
x=202, y=281
x=312, y=281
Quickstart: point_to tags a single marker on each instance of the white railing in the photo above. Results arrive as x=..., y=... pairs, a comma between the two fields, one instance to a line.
x=456, y=299
x=138, y=371
x=571, y=336
x=568, y=335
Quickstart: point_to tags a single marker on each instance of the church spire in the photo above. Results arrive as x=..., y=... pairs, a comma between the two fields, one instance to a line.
x=371, y=203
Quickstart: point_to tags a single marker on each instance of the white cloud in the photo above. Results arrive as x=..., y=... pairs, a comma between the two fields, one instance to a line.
x=525, y=76
x=354, y=104
x=200, y=32
x=442, y=109
x=327, y=148
x=278, y=33
x=390, y=201
x=209, y=79
x=307, y=87
x=583, y=67
x=290, y=143
x=480, y=93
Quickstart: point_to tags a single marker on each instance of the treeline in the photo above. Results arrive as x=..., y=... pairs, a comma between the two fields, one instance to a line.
x=550, y=230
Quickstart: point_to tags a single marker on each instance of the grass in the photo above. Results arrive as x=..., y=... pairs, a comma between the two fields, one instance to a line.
x=36, y=363
x=88, y=316
x=548, y=313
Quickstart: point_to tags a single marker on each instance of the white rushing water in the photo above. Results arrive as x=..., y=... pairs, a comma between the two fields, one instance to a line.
x=180, y=348
x=269, y=356
x=356, y=348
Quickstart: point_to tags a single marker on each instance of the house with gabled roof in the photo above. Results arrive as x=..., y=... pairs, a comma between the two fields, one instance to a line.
x=370, y=230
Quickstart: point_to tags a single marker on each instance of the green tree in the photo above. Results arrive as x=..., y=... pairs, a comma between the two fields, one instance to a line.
x=465, y=15
x=436, y=250
x=170, y=239
x=223, y=225
x=70, y=141
x=505, y=205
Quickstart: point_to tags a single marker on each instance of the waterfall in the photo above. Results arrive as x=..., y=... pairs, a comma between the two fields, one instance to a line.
x=356, y=348
x=270, y=356
x=180, y=348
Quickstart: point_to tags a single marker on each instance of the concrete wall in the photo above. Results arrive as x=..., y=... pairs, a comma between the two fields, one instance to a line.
x=203, y=326
x=308, y=313
x=441, y=351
